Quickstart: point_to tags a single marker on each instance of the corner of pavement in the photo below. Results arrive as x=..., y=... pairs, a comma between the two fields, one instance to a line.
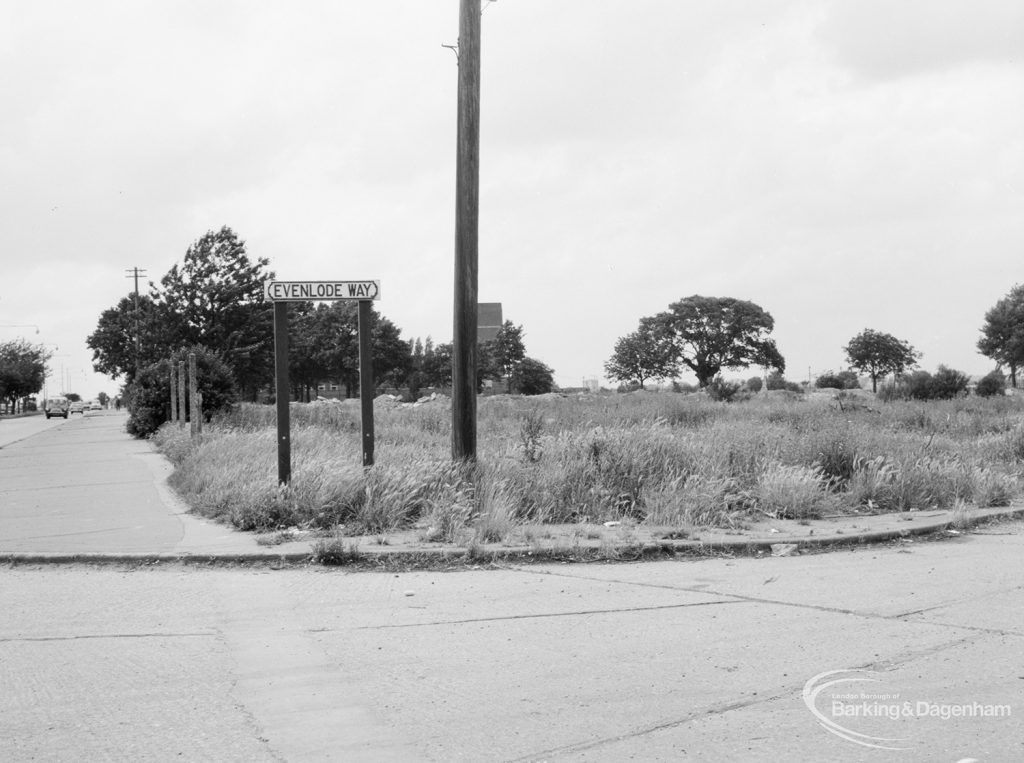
x=84, y=491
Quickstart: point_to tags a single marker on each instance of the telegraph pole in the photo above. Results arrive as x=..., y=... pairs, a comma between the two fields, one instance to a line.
x=467, y=215
x=135, y=273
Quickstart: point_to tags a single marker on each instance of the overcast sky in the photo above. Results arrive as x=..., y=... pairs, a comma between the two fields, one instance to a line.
x=845, y=164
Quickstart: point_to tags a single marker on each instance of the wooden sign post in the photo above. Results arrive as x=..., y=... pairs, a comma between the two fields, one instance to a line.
x=283, y=292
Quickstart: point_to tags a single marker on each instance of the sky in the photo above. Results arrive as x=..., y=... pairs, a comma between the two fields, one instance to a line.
x=844, y=164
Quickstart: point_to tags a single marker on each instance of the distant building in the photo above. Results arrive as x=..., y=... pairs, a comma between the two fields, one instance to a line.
x=488, y=321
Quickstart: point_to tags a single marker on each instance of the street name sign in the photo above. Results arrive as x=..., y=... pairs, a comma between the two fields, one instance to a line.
x=302, y=291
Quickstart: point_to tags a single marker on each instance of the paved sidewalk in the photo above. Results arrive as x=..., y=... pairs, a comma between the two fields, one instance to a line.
x=84, y=490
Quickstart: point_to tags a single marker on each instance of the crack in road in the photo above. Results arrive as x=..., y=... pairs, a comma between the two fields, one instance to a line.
x=574, y=613
x=761, y=600
x=76, y=486
x=88, y=636
x=72, y=535
x=720, y=708
x=962, y=599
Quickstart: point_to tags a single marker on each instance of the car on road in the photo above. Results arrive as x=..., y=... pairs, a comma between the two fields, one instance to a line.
x=56, y=406
x=95, y=406
x=78, y=406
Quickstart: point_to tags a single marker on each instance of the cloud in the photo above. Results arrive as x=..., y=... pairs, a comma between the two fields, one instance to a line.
x=887, y=40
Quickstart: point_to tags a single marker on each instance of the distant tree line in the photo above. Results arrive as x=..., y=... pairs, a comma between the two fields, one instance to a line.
x=708, y=334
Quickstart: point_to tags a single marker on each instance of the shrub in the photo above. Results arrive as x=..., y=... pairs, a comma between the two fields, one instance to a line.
x=754, y=384
x=723, y=391
x=841, y=380
x=992, y=383
x=531, y=377
x=149, y=394
x=945, y=384
x=777, y=381
x=948, y=383
x=918, y=385
x=683, y=387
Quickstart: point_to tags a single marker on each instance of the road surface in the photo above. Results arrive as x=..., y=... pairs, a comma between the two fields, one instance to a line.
x=667, y=661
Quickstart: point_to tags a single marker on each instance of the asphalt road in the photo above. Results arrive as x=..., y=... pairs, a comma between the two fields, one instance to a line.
x=680, y=660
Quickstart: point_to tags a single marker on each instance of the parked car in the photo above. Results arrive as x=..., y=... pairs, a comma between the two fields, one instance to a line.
x=78, y=406
x=56, y=406
x=95, y=406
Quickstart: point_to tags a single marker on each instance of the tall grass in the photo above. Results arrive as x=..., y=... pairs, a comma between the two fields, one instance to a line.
x=664, y=459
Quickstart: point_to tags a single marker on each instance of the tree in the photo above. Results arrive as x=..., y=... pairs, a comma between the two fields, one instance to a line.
x=1002, y=335
x=879, y=354
x=531, y=377
x=711, y=333
x=498, y=357
x=214, y=298
x=217, y=293
x=643, y=355
x=437, y=364
x=22, y=370
x=326, y=346
x=113, y=342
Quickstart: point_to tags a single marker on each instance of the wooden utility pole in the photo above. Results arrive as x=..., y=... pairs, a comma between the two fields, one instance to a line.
x=135, y=273
x=467, y=215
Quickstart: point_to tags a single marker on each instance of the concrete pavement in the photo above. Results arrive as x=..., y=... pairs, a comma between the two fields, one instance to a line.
x=725, y=659
x=84, y=490
x=715, y=660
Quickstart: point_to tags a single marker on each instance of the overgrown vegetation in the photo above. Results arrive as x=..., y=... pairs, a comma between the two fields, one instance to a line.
x=660, y=459
x=149, y=393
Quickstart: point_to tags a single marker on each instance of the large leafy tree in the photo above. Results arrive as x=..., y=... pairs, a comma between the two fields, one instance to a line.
x=113, y=343
x=22, y=369
x=1002, y=335
x=499, y=357
x=708, y=334
x=645, y=354
x=878, y=354
x=217, y=294
x=531, y=377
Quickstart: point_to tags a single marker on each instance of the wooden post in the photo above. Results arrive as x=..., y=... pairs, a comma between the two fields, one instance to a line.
x=366, y=388
x=199, y=408
x=174, y=393
x=181, y=393
x=193, y=388
x=467, y=208
x=284, y=448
